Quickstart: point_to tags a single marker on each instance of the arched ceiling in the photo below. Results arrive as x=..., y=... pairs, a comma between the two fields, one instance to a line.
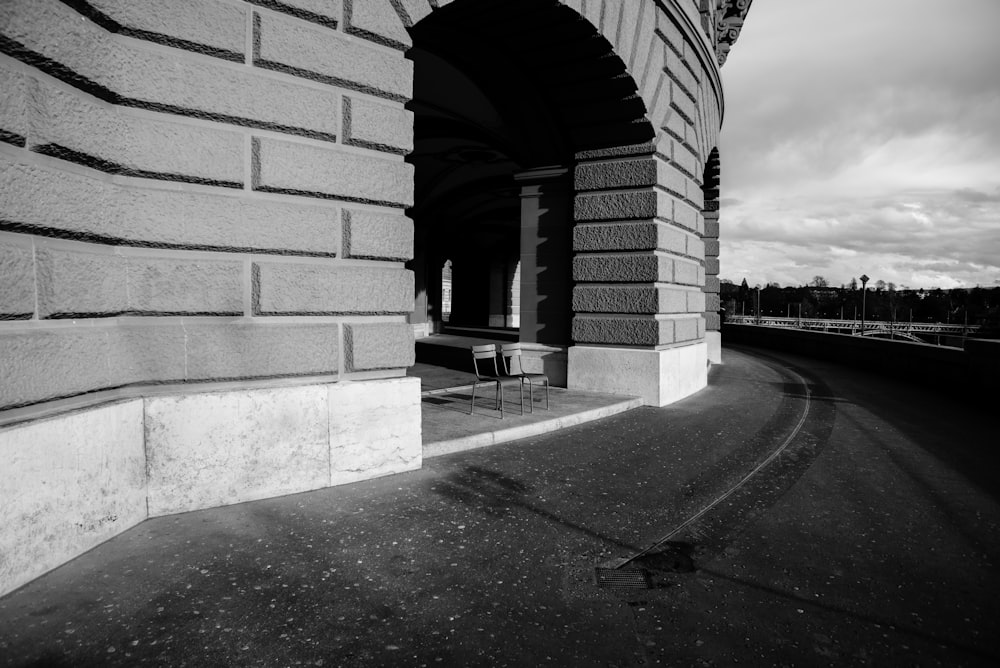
x=506, y=85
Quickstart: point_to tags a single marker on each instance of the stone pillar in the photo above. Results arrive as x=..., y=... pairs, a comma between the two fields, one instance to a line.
x=546, y=249
x=639, y=325
x=713, y=322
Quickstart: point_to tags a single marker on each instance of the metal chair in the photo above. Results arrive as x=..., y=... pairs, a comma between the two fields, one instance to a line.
x=480, y=354
x=511, y=353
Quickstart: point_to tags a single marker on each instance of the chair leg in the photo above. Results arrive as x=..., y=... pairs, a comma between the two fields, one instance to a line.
x=531, y=395
x=472, y=406
x=520, y=391
x=546, y=394
x=500, y=394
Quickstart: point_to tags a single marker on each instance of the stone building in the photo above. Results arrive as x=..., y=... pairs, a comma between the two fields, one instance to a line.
x=223, y=222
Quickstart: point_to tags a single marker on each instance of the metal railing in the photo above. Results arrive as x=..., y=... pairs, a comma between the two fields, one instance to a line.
x=871, y=327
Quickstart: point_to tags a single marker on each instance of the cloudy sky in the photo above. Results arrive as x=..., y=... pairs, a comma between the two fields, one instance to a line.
x=863, y=136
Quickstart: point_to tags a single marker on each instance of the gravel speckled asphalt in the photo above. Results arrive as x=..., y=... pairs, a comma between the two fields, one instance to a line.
x=872, y=539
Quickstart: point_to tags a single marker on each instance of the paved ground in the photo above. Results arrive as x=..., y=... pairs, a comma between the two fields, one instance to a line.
x=871, y=539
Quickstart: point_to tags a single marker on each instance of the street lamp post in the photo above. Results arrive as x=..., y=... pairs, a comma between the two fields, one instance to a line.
x=864, y=293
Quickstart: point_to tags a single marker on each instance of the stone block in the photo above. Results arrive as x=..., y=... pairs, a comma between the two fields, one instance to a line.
x=377, y=236
x=637, y=268
x=323, y=12
x=653, y=77
x=675, y=124
x=376, y=125
x=220, y=26
x=683, y=103
x=695, y=195
x=327, y=56
x=14, y=120
x=615, y=299
x=75, y=282
x=268, y=350
x=147, y=352
x=378, y=21
x=631, y=24
x=38, y=365
x=685, y=159
x=711, y=227
x=659, y=377
x=688, y=329
x=80, y=207
x=206, y=450
x=629, y=205
x=116, y=140
x=713, y=322
x=669, y=32
x=687, y=216
x=712, y=284
x=68, y=484
x=697, y=301
x=686, y=273
x=633, y=173
x=623, y=331
x=415, y=10
x=695, y=247
x=639, y=235
x=315, y=289
x=332, y=173
x=375, y=429
x=17, y=288
x=679, y=71
x=644, y=299
x=711, y=247
x=176, y=286
x=163, y=80
x=378, y=346
x=674, y=240
x=712, y=266
x=713, y=339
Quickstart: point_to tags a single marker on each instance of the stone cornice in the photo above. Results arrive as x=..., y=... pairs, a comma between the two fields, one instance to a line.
x=728, y=20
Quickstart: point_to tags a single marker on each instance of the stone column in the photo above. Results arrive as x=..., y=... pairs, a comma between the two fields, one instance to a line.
x=713, y=323
x=546, y=249
x=639, y=325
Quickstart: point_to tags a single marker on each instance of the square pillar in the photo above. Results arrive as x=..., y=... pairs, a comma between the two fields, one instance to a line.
x=546, y=254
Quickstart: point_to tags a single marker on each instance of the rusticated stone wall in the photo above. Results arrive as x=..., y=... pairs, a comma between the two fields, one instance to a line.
x=640, y=255
x=201, y=191
x=203, y=233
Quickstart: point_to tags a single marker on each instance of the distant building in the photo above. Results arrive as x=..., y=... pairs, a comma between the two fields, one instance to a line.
x=223, y=223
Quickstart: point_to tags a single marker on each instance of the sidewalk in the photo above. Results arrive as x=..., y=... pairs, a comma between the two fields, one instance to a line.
x=486, y=557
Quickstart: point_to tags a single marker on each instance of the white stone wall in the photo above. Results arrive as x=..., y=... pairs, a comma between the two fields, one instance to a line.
x=71, y=482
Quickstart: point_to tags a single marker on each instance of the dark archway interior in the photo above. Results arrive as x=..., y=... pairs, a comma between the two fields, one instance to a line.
x=502, y=87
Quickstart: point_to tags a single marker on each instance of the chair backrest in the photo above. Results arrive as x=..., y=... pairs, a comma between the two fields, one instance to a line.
x=511, y=354
x=486, y=351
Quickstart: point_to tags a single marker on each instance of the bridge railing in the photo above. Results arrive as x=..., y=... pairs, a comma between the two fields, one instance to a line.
x=854, y=326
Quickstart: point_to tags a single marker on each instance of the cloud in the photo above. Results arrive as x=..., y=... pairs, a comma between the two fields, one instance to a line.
x=869, y=145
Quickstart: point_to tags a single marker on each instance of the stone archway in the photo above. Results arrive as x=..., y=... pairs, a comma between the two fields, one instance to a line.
x=582, y=128
x=499, y=127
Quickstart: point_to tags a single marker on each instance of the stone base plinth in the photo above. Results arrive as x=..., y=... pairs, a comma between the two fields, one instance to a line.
x=541, y=358
x=70, y=482
x=658, y=377
x=714, y=341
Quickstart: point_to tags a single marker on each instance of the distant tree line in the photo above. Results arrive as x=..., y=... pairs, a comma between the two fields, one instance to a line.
x=883, y=301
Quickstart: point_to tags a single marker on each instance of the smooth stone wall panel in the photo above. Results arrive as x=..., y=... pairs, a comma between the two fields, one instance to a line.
x=374, y=429
x=67, y=485
x=206, y=450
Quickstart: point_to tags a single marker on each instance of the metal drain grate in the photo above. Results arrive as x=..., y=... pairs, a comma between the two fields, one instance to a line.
x=622, y=578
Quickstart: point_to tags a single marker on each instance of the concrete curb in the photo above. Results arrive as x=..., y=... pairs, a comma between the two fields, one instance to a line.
x=436, y=449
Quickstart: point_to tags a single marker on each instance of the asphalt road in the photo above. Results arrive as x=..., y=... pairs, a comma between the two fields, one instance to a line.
x=868, y=535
